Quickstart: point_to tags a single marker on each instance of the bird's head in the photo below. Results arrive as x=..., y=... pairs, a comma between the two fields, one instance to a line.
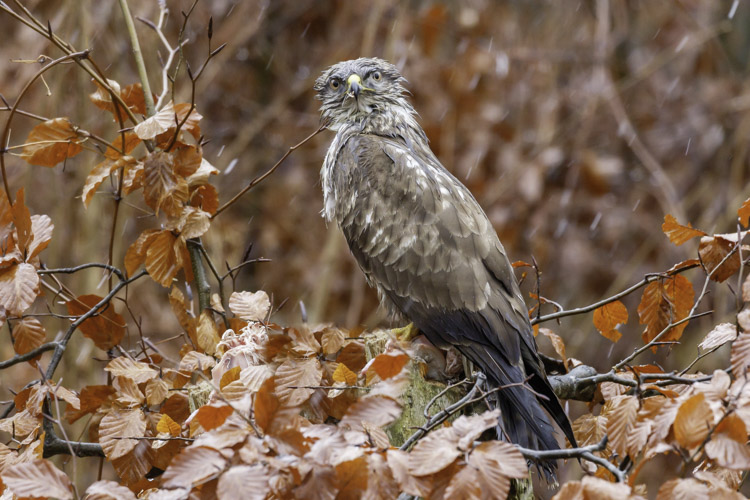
x=353, y=91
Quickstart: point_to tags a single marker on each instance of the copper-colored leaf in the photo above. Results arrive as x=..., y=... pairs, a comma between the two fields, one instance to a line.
x=117, y=425
x=211, y=417
x=253, y=376
x=132, y=466
x=465, y=485
x=378, y=411
x=294, y=377
x=557, y=344
x=28, y=334
x=160, y=181
x=108, y=490
x=353, y=355
x=100, y=172
x=195, y=360
x=41, y=228
x=693, y=421
x=620, y=422
x=344, y=374
x=207, y=332
x=19, y=286
x=498, y=462
x=162, y=259
x=683, y=489
x=106, y=329
x=192, y=123
x=187, y=160
x=157, y=124
x=740, y=355
x=206, y=198
x=193, y=465
x=608, y=317
x=200, y=177
x=230, y=376
x=389, y=364
x=332, y=340
x=22, y=221
x=720, y=335
x=677, y=233
x=133, y=96
x=128, y=393
x=469, y=428
x=125, y=144
x=39, y=478
x=157, y=391
x=243, y=481
x=137, y=371
x=398, y=461
x=434, y=452
x=712, y=251
x=744, y=213
x=266, y=404
x=728, y=445
x=51, y=142
x=193, y=222
x=168, y=426
x=250, y=306
x=665, y=302
x=136, y=254
x=589, y=429
x=91, y=398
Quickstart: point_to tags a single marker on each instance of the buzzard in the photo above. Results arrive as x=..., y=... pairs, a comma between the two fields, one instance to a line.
x=422, y=239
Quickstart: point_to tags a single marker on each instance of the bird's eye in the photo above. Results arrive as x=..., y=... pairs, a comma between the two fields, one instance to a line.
x=334, y=83
x=377, y=76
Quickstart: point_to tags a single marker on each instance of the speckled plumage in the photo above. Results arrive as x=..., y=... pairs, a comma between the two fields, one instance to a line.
x=422, y=239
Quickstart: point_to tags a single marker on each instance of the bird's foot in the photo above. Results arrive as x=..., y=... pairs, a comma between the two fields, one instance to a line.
x=406, y=333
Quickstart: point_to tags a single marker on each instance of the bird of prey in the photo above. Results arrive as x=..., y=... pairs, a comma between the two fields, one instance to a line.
x=422, y=239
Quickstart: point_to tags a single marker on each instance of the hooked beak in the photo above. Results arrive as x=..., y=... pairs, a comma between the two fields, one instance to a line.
x=354, y=85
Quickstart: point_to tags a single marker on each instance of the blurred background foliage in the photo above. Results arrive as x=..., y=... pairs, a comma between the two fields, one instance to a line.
x=577, y=125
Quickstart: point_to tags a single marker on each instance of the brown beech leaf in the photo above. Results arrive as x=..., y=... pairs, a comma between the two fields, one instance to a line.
x=230, y=376
x=187, y=160
x=168, y=426
x=712, y=251
x=195, y=360
x=41, y=228
x=106, y=329
x=192, y=465
x=353, y=355
x=194, y=222
x=19, y=286
x=293, y=378
x=590, y=488
x=266, y=405
x=100, y=172
x=434, y=452
x=344, y=375
x=620, y=422
x=465, y=485
x=728, y=445
x=108, y=490
x=136, y=253
x=589, y=429
x=102, y=98
x=720, y=335
x=157, y=391
x=377, y=411
x=398, y=461
x=608, y=317
x=207, y=332
x=124, y=146
x=160, y=181
x=192, y=124
x=137, y=371
x=200, y=177
x=162, y=258
x=118, y=424
x=679, y=489
x=28, y=334
x=134, y=97
x=498, y=462
x=557, y=344
x=91, y=398
x=664, y=302
x=51, y=142
x=332, y=339
x=39, y=478
x=253, y=376
x=250, y=306
x=206, y=198
x=389, y=364
x=22, y=221
x=211, y=417
x=469, y=428
x=744, y=213
x=677, y=233
x=243, y=481
x=128, y=393
x=693, y=421
x=157, y=124
x=740, y=355
x=132, y=466
x=380, y=482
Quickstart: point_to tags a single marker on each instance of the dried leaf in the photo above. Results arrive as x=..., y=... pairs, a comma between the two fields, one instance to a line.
x=136, y=254
x=22, y=221
x=332, y=340
x=158, y=123
x=465, y=485
x=243, y=481
x=207, y=333
x=498, y=462
x=194, y=360
x=589, y=429
x=720, y=335
x=398, y=461
x=557, y=344
x=434, y=452
x=200, y=177
x=389, y=364
x=192, y=123
x=211, y=417
x=39, y=478
x=51, y=142
x=229, y=376
x=100, y=172
x=664, y=302
x=41, y=228
x=191, y=466
x=620, y=422
x=194, y=222
x=608, y=317
x=91, y=398
x=677, y=233
x=728, y=444
x=740, y=355
x=128, y=393
x=160, y=181
x=138, y=372
x=253, y=376
x=19, y=286
x=693, y=421
x=712, y=251
x=108, y=490
x=744, y=213
x=106, y=328
x=266, y=405
x=293, y=378
x=157, y=391
x=377, y=411
x=28, y=334
x=118, y=424
x=250, y=306
x=162, y=258
x=344, y=375
x=683, y=489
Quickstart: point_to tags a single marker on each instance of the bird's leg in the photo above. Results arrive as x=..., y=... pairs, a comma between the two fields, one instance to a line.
x=406, y=333
x=468, y=367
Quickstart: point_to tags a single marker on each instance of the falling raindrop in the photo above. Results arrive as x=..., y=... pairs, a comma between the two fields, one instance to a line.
x=221, y=150
x=687, y=148
x=733, y=9
x=304, y=31
x=595, y=222
x=638, y=202
x=231, y=166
